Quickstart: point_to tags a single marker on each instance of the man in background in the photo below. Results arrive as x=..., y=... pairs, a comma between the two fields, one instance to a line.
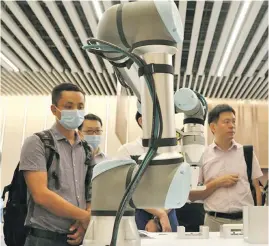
x=91, y=131
x=224, y=172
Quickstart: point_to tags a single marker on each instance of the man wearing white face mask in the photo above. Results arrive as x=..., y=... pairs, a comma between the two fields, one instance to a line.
x=91, y=131
x=59, y=202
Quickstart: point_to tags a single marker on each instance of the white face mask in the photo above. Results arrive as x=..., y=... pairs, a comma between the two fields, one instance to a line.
x=71, y=119
x=93, y=140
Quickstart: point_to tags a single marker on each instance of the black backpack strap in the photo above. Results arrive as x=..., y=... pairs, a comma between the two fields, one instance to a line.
x=89, y=161
x=50, y=149
x=88, y=152
x=266, y=186
x=248, y=154
x=6, y=189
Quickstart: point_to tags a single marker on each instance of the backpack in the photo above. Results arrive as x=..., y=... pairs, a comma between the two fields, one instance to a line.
x=264, y=192
x=248, y=154
x=15, y=212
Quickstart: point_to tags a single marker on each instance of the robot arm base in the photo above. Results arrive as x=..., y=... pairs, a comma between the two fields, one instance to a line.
x=100, y=229
x=157, y=189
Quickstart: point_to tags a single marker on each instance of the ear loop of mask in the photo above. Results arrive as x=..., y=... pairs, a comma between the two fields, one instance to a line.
x=58, y=110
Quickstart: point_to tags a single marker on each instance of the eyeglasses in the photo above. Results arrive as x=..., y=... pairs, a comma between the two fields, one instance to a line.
x=91, y=132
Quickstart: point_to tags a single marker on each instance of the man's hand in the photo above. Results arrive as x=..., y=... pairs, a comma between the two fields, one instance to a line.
x=211, y=186
x=164, y=221
x=151, y=226
x=77, y=237
x=85, y=221
x=227, y=180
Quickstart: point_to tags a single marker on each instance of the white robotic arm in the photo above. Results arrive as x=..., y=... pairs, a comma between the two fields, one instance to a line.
x=194, y=107
x=146, y=34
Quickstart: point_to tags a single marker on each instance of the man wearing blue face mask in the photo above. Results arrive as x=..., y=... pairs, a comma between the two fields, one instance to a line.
x=58, y=205
x=91, y=130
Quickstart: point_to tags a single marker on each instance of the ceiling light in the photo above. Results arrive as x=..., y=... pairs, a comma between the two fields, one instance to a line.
x=97, y=7
x=236, y=30
x=2, y=56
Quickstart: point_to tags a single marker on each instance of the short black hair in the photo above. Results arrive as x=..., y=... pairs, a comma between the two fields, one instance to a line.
x=137, y=116
x=216, y=111
x=91, y=117
x=57, y=91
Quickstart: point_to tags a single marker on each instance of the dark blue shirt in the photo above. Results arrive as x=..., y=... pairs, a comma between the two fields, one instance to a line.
x=142, y=217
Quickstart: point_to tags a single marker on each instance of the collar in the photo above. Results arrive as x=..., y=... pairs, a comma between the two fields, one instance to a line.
x=100, y=153
x=235, y=145
x=139, y=141
x=59, y=136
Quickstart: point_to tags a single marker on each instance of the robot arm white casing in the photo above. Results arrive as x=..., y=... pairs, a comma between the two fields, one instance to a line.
x=151, y=29
x=192, y=138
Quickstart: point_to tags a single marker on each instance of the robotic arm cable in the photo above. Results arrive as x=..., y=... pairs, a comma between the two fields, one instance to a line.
x=157, y=125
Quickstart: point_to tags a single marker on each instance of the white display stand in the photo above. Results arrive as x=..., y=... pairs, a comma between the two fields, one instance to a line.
x=231, y=231
x=255, y=222
x=202, y=234
x=170, y=239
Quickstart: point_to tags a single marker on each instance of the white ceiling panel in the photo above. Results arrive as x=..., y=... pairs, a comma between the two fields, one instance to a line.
x=43, y=39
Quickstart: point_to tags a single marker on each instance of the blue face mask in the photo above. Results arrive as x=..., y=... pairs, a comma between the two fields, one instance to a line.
x=93, y=140
x=71, y=119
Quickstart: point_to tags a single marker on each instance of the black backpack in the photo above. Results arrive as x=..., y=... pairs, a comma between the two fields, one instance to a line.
x=248, y=154
x=15, y=212
x=264, y=192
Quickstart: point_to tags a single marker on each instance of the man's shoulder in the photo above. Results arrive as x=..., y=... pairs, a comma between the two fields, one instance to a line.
x=132, y=148
x=32, y=140
x=32, y=154
x=136, y=144
x=209, y=148
x=208, y=153
x=101, y=154
x=133, y=143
